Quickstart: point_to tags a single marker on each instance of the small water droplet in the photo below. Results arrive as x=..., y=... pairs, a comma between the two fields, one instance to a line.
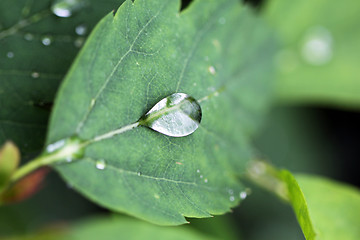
x=177, y=115
x=81, y=30
x=205, y=180
x=230, y=191
x=10, y=54
x=35, y=75
x=55, y=146
x=201, y=176
x=211, y=69
x=198, y=171
x=79, y=42
x=100, y=164
x=66, y=8
x=243, y=194
x=28, y=36
x=318, y=46
x=232, y=198
x=222, y=20
x=46, y=41
x=139, y=174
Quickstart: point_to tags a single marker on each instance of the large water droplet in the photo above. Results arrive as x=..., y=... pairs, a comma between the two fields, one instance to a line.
x=317, y=48
x=100, y=164
x=243, y=195
x=177, y=115
x=66, y=8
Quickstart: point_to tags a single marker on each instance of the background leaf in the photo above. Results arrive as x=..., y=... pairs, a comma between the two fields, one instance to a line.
x=30, y=71
x=9, y=161
x=319, y=60
x=325, y=209
x=130, y=62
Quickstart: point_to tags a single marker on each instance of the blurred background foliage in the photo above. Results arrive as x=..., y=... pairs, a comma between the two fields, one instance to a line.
x=304, y=132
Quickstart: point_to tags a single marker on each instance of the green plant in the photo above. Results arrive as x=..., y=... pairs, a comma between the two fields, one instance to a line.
x=213, y=71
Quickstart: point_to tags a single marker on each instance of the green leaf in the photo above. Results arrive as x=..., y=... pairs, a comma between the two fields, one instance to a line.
x=126, y=228
x=30, y=71
x=325, y=209
x=334, y=207
x=319, y=60
x=215, y=51
x=9, y=161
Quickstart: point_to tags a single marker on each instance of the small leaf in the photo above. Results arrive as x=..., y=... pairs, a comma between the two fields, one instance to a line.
x=218, y=53
x=9, y=161
x=177, y=115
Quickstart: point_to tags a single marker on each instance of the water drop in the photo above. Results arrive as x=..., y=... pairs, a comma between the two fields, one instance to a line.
x=201, y=176
x=81, y=30
x=55, y=146
x=28, y=36
x=211, y=69
x=35, y=75
x=198, y=171
x=100, y=164
x=139, y=174
x=230, y=191
x=232, y=198
x=10, y=54
x=177, y=115
x=243, y=195
x=317, y=48
x=66, y=8
x=205, y=180
x=46, y=41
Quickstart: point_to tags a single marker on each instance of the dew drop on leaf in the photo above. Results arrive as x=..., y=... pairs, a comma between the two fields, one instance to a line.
x=66, y=8
x=100, y=164
x=177, y=115
x=81, y=30
x=46, y=41
x=243, y=195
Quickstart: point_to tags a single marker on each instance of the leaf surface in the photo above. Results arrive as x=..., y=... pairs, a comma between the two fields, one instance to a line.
x=30, y=71
x=325, y=209
x=319, y=60
x=144, y=53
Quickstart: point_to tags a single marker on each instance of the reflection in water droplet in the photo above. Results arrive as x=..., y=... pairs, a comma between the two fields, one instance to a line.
x=81, y=30
x=232, y=198
x=35, y=75
x=10, y=54
x=243, y=195
x=66, y=8
x=100, y=164
x=46, y=41
x=177, y=115
x=318, y=46
x=28, y=36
